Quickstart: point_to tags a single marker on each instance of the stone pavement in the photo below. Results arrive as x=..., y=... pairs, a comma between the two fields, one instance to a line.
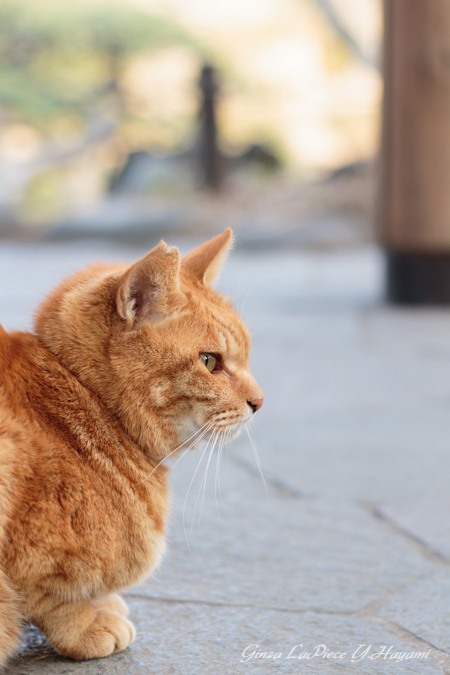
x=347, y=544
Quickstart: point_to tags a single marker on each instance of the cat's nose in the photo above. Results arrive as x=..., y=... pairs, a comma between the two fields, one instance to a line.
x=256, y=403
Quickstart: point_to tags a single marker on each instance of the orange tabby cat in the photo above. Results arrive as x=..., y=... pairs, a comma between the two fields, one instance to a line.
x=126, y=364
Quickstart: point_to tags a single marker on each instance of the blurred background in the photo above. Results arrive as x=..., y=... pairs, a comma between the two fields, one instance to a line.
x=138, y=118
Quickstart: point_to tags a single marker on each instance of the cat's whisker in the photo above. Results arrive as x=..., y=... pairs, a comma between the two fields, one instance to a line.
x=271, y=276
x=263, y=327
x=217, y=478
x=218, y=438
x=190, y=485
x=251, y=328
x=194, y=442
x=250, y=432
x=211, y=440
x=184, y=453
x=225, y=441
x=200, y=431
x=177, y=448
x=255, y=452
x=204, y=479
x=207, y=424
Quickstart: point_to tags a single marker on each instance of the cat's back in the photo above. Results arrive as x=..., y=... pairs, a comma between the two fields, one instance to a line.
x=22, y=361
x=13, y=364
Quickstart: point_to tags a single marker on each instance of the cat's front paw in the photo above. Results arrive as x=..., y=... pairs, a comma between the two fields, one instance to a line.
x=108, y=634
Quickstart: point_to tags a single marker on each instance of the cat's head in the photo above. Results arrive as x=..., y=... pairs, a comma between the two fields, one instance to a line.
x=163, y=350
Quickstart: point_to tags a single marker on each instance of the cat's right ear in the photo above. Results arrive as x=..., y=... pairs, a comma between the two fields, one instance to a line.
x=150, y=289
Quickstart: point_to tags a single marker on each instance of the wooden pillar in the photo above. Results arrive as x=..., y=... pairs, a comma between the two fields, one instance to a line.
x=415, y=155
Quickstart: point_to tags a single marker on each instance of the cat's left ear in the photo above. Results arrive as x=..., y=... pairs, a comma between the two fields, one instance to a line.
x=205, y=262
x=150, y=289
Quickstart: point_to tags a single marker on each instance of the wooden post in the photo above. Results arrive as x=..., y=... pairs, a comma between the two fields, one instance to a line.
x=209, y=154
x=415, y=155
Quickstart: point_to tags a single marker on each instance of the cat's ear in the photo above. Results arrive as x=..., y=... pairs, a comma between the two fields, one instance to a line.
x=205, y=262
x=150, y=289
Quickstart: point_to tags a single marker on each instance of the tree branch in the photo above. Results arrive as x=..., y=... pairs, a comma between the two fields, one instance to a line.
x=341, y=29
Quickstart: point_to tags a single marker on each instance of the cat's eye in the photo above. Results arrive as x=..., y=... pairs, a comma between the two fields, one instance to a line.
x=209, y=361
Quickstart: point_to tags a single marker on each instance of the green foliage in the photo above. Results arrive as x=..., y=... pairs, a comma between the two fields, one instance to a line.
x=60, y=56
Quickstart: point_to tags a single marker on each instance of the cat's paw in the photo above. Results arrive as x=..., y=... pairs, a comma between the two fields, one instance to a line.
x=108, y=634
x=114, y=603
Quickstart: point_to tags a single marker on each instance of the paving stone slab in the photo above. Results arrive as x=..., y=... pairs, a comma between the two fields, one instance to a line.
x=424, y=609
x=350, y=411
x=277, y=550
x=425, y=516
x=373, y=456
x=196, y=639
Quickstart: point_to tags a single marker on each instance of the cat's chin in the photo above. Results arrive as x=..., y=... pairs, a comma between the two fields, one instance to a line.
x=233, y=432
x=218, y=436
x=218, y=431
